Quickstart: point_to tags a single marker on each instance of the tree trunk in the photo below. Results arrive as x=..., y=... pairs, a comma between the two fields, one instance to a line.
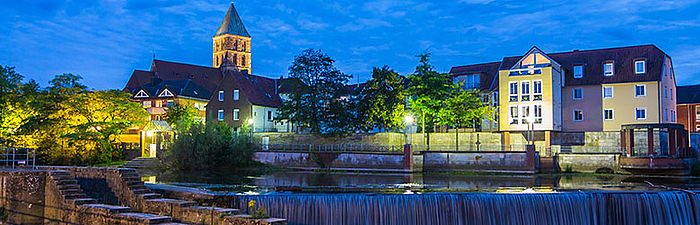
x=457, y=138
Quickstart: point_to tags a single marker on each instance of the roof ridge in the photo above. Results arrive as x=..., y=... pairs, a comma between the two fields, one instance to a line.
x=232, y=24
x=478, y=64
x=184, y=64
x=600, y=49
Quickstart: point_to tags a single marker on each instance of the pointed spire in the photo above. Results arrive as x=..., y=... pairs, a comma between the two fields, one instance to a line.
x=232, y=24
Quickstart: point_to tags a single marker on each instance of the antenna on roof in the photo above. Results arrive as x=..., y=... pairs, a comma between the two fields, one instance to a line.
x=154, y=55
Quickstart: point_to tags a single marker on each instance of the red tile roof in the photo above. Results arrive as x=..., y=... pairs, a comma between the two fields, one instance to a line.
x=592, y=60
x=488, y=72
x=259, y=90
x=207, y=77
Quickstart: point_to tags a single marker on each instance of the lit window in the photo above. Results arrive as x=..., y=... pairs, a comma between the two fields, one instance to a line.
x=640, y=90
x=146, y=104
x=236, y=114
x=608, y=114
x=141, y=94
x=578, y=93
x=169, y=103
x=641, y=114
x=526, y=111
x=514, y=114
x=525, y=88
x=270, y=115
x=578, y=71
x=235, y=95
x=640, y=67
x=538, y=114
x=159, y=104
x=537, y=90
x=221, y=96
x=578, y=115
x=513, y=91
x=607, y=92
x=221, y=115
x=608, y=69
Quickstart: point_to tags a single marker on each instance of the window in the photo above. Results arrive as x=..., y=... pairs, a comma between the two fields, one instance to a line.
x=665, y=92
x=525, y=114
x=608, y=69
x=671, y=91
x=513, y=91
x=270, y=115
x=495, y=97
x=578, y=115
x=578, y=71
x=578, y=93
x=514, y=114
x=159, y=104
x=641, y=114
x=697, y=127
x=525, y=88
x=169, y=103
x=608, y=114
x=165, y=93
x=538, y=114
x=235, y=95
x=537, y=90
x=640, y=67
x=607, y=92
x=221, y=96
x=665, y=114
x=236, y=114
x=146, y=104
x=221, y=115
x=640, y=90
x=673, y=115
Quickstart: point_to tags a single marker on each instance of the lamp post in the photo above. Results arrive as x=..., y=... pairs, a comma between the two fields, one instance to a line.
x=250, y=128
x=408, y=120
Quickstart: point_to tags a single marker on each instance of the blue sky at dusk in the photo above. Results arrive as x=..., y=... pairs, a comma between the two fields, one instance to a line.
x=105, y=40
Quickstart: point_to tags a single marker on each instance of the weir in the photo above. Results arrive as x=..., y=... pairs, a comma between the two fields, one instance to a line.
x=572, y=208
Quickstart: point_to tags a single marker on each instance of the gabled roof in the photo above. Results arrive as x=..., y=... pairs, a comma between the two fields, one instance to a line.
x=180, y=88
x=259, y=90
x=138, y=78
x=232, y=24
x=688, y=94
x=207, y=77
x=534, y=49
x=487, y=71
x=593, y=65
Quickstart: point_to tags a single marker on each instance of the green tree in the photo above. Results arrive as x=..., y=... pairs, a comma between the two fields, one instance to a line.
x=428, y=89
x=322, y=83
x=180, y=116
x=14, y=99
x=463, y=108
x=208, y=147
x=382, y=101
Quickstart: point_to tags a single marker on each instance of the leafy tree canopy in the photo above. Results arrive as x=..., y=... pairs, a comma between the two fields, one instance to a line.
x=382, y=101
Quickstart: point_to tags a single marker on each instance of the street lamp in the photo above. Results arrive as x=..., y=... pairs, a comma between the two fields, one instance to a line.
x=250, y=127
x=408, y=119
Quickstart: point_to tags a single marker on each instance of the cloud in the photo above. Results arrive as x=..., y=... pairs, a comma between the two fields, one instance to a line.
x=363, y=23
x=476, y=1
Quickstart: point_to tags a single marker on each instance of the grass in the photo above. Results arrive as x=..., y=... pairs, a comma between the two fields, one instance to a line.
x=111, y=164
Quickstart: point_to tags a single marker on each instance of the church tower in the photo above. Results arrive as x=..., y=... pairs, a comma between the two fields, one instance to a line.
x=232, y=43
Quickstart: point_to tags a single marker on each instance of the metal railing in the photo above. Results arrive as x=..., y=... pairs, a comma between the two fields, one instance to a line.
x=329, y=148
x=12, y=157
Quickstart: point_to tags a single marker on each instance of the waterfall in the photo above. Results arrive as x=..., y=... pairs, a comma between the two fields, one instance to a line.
x=570, y=208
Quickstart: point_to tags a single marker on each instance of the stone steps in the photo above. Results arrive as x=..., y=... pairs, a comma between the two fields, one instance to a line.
x=151, y=196
x=174, y=202
x=143, y=163
x=147, y=218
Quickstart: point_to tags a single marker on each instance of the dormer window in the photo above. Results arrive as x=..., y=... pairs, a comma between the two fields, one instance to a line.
x=640, y=66
x=608, y=69
x=166, y=93
x=578, y=71
x=221, y=96
x=141, y=94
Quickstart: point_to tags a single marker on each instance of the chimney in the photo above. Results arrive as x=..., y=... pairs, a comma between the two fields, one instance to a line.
x=276, y=87
x=575, y=50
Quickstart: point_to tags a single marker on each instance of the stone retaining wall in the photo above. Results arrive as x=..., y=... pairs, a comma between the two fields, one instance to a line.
x=589, y=162
x=476, y=161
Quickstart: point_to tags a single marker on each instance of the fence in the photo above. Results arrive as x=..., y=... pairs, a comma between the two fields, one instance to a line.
x=11, y=157
x=329, y=148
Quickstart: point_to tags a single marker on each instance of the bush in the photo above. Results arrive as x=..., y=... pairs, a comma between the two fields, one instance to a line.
x=207, y=147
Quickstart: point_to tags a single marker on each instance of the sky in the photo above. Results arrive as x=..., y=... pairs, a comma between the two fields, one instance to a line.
x=105, y=40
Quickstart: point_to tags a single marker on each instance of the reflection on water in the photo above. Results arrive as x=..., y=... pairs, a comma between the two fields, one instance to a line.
x=306, y=181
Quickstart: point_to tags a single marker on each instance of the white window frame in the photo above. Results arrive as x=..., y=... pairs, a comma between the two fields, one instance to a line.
x=612, y=92
x=636, y=116
x=580, y=75
x=534, y=90
x=165, y=93
x=236, y=114
x=574, y=115
x=145, y=105
x=236, y=95
x=612, y=113
x=517, y=114
x=221, y=96
x=511, y=90
x=612, y=69
x=220, y=115
x=141, y=94
x=270, y=115
x=644, y=86
x=644, y=66
x=573, y=94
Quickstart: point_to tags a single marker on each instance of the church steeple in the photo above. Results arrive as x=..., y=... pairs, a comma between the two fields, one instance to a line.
x=232, y=42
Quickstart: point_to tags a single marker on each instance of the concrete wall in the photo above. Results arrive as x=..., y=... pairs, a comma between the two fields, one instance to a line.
x=588, y=163
x=22, y=193
x=335, y=161
x=476, y=161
